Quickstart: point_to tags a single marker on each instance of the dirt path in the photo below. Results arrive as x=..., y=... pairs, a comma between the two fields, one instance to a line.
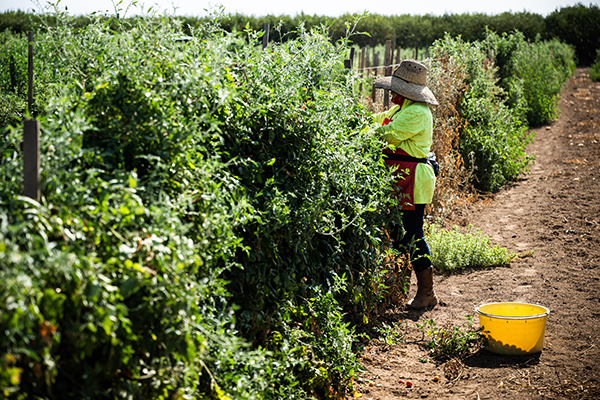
x=555, y=211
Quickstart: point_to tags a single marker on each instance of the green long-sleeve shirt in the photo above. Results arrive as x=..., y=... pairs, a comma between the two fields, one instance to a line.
x=411, y=129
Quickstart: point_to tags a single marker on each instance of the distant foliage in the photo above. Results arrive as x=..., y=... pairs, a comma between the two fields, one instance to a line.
x=576, y=25
x=579, y=26
x=18, y=21
x=532, y=74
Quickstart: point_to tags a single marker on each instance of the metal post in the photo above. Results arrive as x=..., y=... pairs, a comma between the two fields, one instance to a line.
x=31, y=159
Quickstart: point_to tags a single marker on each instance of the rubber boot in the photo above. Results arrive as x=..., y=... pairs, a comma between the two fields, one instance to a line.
x=425, y=296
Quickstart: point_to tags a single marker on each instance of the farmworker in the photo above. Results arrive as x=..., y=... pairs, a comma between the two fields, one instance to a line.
x=408, y=128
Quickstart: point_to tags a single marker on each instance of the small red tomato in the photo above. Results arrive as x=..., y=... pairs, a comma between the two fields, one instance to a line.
x=408, y=384
x=400, y=381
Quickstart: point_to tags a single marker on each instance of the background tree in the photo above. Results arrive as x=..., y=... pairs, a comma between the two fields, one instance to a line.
x=579, y=26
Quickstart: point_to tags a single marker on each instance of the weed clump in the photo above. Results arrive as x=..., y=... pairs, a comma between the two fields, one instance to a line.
x=453, y=250
x=451, y=341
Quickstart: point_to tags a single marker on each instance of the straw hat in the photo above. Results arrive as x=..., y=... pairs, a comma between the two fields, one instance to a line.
x=409, y=80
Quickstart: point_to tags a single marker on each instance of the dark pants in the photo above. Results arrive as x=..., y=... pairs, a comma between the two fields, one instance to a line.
x=413, y=241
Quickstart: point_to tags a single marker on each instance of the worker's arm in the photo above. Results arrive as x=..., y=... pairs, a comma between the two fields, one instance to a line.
x=380, y=117
x=409, y=122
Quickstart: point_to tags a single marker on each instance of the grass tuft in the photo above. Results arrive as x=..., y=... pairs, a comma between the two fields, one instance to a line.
x=454, y=250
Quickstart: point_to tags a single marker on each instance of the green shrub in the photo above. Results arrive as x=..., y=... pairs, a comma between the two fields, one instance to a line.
x=453, y=250
x=544, y=67
x=106, y=288
x=312, y=169
x=511, y=84
x=111, y=285
x=532, y=74
x=494, y=140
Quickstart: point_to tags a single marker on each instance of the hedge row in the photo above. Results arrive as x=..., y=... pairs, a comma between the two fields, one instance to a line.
x=508, y=85
x=209, y=222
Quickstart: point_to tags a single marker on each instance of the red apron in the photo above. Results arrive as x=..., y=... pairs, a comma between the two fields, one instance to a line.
x=404, y=185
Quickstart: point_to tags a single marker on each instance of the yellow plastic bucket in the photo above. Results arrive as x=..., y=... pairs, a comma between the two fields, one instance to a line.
x=514, y=329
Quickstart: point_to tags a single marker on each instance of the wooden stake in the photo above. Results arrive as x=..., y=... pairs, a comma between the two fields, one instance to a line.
x=375, y=64
x=393, y=47
x=361, y=66
x=387, y=71
x=265, y=36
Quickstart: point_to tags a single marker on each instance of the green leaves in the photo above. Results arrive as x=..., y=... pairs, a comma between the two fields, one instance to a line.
x=453, y=250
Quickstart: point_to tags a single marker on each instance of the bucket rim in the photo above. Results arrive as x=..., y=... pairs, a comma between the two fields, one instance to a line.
x=545, y=314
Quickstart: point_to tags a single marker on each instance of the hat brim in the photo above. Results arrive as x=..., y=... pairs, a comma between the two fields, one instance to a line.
x=409, y=90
